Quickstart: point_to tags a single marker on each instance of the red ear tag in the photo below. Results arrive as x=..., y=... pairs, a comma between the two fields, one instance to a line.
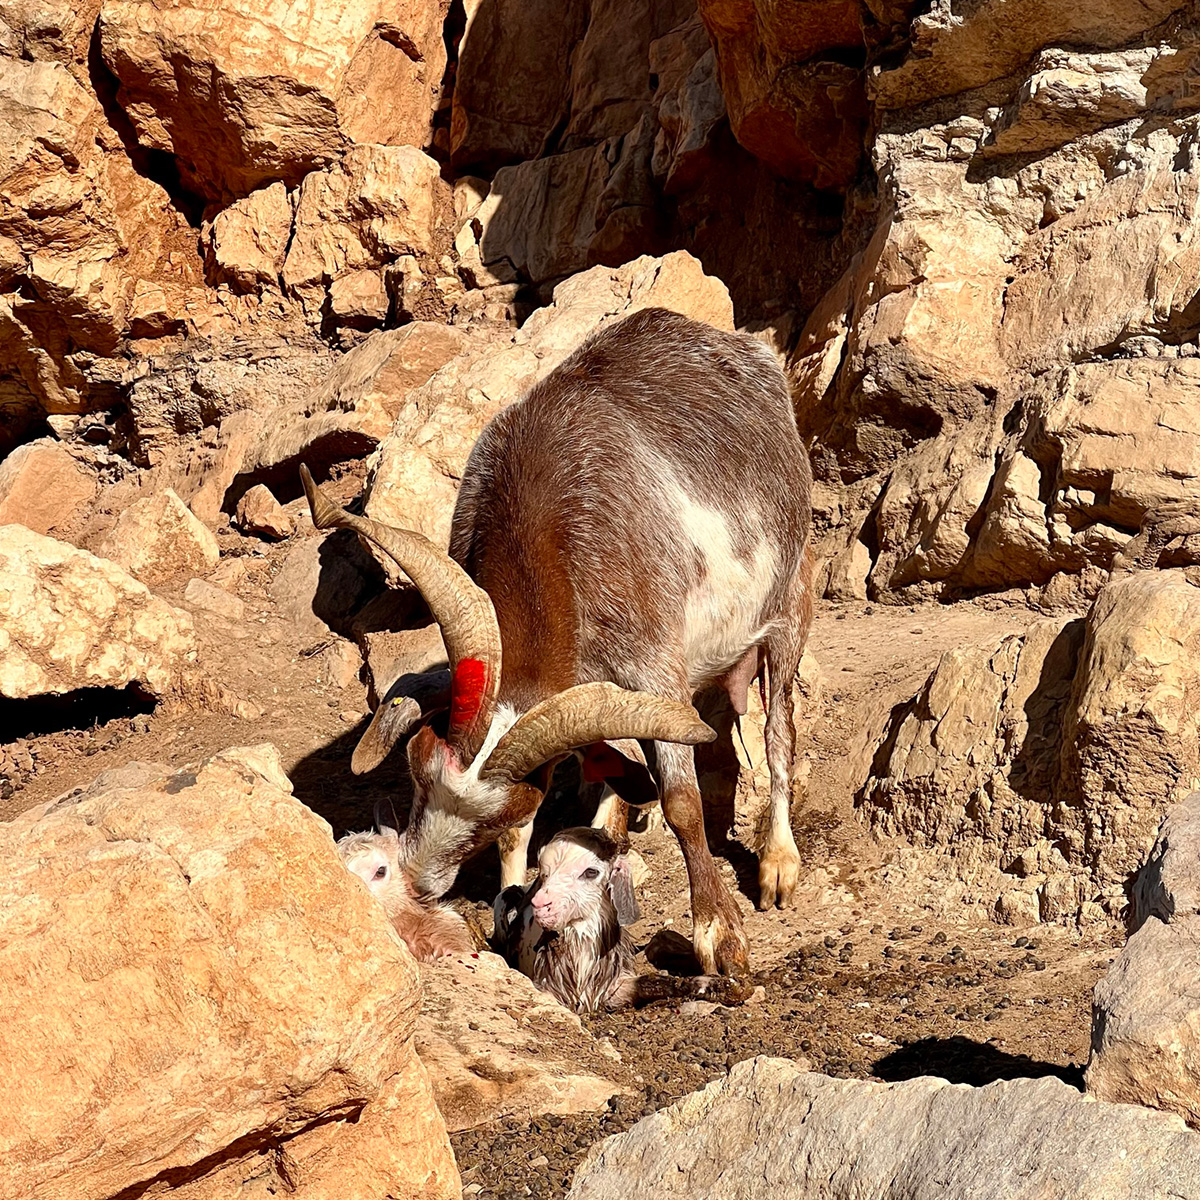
x=466, y=692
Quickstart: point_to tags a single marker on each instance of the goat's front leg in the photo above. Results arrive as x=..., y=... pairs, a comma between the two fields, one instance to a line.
x=612, y=815
x=717, y=934
x=513, y=845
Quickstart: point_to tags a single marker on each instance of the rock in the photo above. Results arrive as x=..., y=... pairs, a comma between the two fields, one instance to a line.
x=376, y=204
x=193, y=410
x=201, y=594
x=259, y=512
x=1039, y=769
x=1168, y=886
x=81, y=229
x=321, y=584
x=341, y=664
x=1145, y=1027
x=237, y=1012
x=43, y=488
x=243, y=95
x=494, y=1045
x=413, y=476
x=71, y=620
x=800, y=112
x=158, y=538
x=494, y=123
x=248, y=239
x=1002, y=380
x=347, y=413
x=770, y=1128
x=552, y=217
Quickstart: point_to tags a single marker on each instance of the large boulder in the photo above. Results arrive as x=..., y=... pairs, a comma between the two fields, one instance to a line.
x=91, y=251
x=793, y=103
x=244, y=94
x=43, y=488
x=770, y=1128
x=1038, y=769
x=69, y=620
x=494, y=1046
x=375, y=205
x=413, y=476
x=158, y=538
x=1145, y=1024
x=199, y=998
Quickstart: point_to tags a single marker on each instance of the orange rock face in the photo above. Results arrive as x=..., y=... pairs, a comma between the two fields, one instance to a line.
x=200, y=999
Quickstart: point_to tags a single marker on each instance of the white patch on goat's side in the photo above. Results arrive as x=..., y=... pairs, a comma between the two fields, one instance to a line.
x=723, y=612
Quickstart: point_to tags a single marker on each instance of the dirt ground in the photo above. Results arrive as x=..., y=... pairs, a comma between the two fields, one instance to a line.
x=860, y=980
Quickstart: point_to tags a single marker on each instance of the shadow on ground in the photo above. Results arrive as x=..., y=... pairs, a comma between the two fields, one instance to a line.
x=962, y=1060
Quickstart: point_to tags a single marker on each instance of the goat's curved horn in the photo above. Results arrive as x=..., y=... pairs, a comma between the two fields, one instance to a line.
x=586, y=713
x=462, y=609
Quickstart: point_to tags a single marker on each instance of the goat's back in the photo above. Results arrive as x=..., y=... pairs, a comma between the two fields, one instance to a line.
x=594, y=489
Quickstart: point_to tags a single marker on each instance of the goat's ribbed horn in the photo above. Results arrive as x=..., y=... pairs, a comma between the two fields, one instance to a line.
x=586, y=713
x=462, y=609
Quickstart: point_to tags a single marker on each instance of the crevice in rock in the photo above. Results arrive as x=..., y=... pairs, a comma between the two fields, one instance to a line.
x=84, y=708
x=155, y=165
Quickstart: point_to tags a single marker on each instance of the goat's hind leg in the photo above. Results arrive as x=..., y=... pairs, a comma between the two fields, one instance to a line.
x=779, y=858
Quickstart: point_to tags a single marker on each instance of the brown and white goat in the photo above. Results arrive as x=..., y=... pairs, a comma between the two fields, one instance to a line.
x=429, y=929
x=633, y=530
x=565, y=931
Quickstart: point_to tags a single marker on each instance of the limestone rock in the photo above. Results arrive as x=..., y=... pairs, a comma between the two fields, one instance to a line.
x=413, y=476
x=158, y=538
x=248, y=239
x=201, y=594
x=494, y=1045
x=70, y=620
x=1145, y=1027
x=1041, y=767
x=79, y=230
x=772, y=1129
x=236, y=1012
x=800, y=112
x=244, y=94
x=259, y=512
x=494, y=123
x=1168, y=886
x=350, y=410
x=1011, y=338
x=374, y=205
x=42, y=487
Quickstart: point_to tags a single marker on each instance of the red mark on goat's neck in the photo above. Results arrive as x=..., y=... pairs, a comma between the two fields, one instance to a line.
x=466, y=692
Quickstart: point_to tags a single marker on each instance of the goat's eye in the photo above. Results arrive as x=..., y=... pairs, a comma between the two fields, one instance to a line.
x=381, y=873
x=590, y=873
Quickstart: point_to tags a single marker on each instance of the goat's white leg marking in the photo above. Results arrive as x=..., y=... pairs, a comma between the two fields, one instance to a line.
x=604, y=810
x=514, y=855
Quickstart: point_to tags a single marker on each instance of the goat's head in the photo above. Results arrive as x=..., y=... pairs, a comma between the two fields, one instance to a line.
x=580, y=872
x=374, y=858
x=489, y=769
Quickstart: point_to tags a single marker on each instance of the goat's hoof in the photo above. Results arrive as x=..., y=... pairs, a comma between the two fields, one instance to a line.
x=778, y=874
x=720, y=945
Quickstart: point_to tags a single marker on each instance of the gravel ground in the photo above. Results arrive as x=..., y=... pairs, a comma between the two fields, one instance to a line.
x=886, y=1004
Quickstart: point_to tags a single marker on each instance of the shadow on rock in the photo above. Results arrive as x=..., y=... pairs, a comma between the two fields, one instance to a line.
x=961, y=1060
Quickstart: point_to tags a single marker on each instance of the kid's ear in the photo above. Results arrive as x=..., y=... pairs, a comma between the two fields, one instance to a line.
x=620, y=888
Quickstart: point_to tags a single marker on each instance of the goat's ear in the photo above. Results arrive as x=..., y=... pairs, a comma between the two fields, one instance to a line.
x=385, y=819
x=409, y=700
x=620, y=887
